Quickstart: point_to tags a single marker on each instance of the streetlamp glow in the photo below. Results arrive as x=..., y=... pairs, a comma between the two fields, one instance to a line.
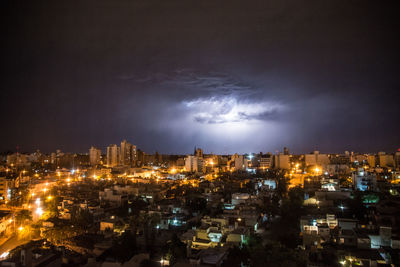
x=39, y=211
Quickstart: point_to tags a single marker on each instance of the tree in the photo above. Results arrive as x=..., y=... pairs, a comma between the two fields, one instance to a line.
x=175, y=249
x=149, y=263
x=22, y=216
x=52, y=208
x=123, y=248
x=356, y=205
x=83, y=219
x=236, y=257
x=281, y=185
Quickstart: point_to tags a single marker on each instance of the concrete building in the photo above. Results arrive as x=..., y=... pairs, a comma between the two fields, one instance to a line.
x=371, y=160
x=113, y=154
x=18, y=160
x=364, y=181
x=240, y=198
x=282, y=161
x=286, y=151
x=266, y=161
x=385, y=160
x=316, y=158
x=110, y=195
x=128, y=153
x=240, y=162
x=5, y=189
x=94, y=156
x=198, y=152
x=310, y=159
x=194, y=164
x=397, y=159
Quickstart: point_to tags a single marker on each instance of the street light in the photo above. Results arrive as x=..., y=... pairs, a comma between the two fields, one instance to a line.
x=39, y=211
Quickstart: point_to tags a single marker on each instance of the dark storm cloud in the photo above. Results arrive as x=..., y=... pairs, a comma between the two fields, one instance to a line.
x=225, y=75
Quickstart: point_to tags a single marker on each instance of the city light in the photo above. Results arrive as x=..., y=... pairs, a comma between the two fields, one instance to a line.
x=4, y=255
x=204, y=133
x=39, y=211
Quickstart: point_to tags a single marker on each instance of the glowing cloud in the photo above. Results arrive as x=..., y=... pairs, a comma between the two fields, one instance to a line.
x=217, y=110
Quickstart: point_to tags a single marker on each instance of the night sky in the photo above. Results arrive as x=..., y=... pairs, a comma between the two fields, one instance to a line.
x=227, y=76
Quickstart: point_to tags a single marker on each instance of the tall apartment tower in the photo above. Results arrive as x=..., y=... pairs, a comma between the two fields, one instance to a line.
x=113, y=155
x=94, y=155
x=194, y=164
x=286, y=151
x=125, y=156
x=128, y=153
x=198, y=152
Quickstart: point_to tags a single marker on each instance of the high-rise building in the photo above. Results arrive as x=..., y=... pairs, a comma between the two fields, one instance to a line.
x=125, y=149
x=113, y=154
x=94, y=156
x=133, y=154
x=193, y=164
x=198, y=152
x=128, y=153
x=286, y=151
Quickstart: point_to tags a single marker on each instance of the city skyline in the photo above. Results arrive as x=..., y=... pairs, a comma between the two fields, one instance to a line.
x=286, y=150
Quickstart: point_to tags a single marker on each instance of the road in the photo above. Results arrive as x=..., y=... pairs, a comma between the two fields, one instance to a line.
x=12, y=243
